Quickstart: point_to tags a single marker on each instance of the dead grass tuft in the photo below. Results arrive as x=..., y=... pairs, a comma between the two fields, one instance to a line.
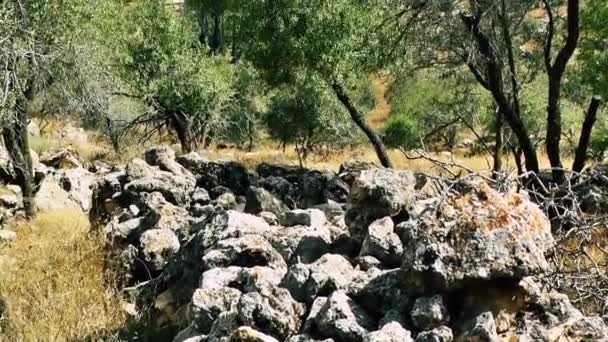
x=54, y=284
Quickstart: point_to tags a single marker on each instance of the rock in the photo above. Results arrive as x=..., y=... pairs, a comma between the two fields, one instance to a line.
x=232, y=224
x=210, y=174
x=302, y=243
x=350, y=171
x=281, y=189
x=245, y=251
x=200, y=196
x=272, y=310
x=269, y=217
x=125, y=229
x=481, y=328
x=244, y=279
x=259, y=200
x=176, y=189
x=379, y=292
x=157, y=246
x=382, y=243
x=51, y=197
x=330, y=273
x=343, y=320
x=208, y=303
x=299, y=217
x=366, y=263
x=306, y=338
x=7, y=236
x=440, y=334
x=378, y=193
x=226, y=201
x=9, y=201
x=246, y=334
x=164, y=158
x=391, y=332
x=430, y=312
x=79, y=184
x=491, y=236
x=66, y=158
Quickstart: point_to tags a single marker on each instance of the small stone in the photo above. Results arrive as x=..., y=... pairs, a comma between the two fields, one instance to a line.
x=247, y=334
x=7, y=236
x=440, y=334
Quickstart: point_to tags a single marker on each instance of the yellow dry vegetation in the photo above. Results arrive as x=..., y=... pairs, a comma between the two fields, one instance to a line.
x=53, y=282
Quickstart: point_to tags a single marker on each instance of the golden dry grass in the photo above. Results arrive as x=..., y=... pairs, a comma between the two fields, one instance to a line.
x=379, y=116
x=53, y=281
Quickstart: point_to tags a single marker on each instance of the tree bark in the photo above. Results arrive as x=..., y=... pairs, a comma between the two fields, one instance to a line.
x=359, y=120
x=182, y=128
x=499, y=145
x=555, y=73
x=583, y=144
x=16, y=140
x=495, y=84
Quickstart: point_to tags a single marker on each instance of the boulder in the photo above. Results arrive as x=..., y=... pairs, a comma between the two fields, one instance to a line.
x=391, y=332
x=379, y=292
x=208, y=303
x=491, y=236
x=481, y=328
x=51, y=197
x=200, y=196
x=247, y=334
x=378, y=193
x=66, y=158
x=430, y=312
x=259, y=200
x=232, y=224
x=282, y=189
x=272, y=310
x=382, y=242
x=299, y=217
x=244, y=251
x=79, y=184
x=343, y=320
x=329, y=273
x=164, y=158
x=210, y=174
x=302, y=243
x=439, y=334
x=226, y=201
x=157, y=246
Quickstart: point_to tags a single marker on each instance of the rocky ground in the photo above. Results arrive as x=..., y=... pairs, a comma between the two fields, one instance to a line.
x=218, y=252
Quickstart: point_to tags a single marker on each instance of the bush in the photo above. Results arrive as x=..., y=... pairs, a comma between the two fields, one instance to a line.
x=402, y=132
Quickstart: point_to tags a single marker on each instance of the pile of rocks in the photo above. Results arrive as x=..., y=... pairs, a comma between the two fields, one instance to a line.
x=282, y=254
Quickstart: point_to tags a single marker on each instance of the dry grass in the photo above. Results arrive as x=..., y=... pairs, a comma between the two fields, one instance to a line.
x=54, y=284
x=379, y=116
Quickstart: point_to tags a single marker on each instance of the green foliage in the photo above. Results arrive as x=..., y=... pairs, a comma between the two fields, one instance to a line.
x=593, y=59
x=309, y=115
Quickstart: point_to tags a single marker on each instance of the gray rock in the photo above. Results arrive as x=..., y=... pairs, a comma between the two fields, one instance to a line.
x=379, y=292
x=259, y=200
x=481, y=328
x=157, y=246
x=232, y=224
x=9, y=201
x=79, y=183
x=245, y=279
x=343, y=320
x=329, y=273
x=429, y=312
x=200, y=196
x=299, y=217
x=378, y=193
x=208, y=303
x=125, y=229
x=245, y=251
x=51, y=197
x=302, y=243
x=368, y=262
x=391, y=332
x=382, y=243
x=164, y=158
x=491, y=236
x=66, y=158
x=439, y=334
x=143, y=178
x=306, y=338
x=247, y=334
x=269, y=217
x=226, y=201
x=272, y=310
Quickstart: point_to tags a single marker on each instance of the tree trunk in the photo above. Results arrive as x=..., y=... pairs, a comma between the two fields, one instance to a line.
x=499, y=145
x=17, y=144
x=555, y=73
x=359, y=120
x=583, y=144
x=217, y=43
x=182, y=128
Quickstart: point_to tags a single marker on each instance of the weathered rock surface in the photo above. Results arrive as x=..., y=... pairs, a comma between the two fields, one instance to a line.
x=477, y=235
x=394, y=257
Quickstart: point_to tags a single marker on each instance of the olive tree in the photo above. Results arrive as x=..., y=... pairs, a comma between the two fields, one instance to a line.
x=336, y=41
